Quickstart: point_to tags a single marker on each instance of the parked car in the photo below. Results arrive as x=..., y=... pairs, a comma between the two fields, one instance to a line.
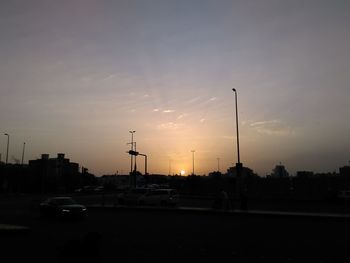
x=62, y=207
x=99, y=189
x=90, y=189
x=132, y=196
x=162, y=197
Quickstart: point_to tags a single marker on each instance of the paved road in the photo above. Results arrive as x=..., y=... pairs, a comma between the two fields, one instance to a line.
x=28, y=201
x=175, y=236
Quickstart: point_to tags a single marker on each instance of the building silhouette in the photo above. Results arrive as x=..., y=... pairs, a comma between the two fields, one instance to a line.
x=245, y=172
x=279, y=171
x=58, y=166
x=344, y=171
x=55, y=174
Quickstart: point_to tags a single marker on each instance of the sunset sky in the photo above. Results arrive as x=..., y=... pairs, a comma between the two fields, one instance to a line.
x=77, y=75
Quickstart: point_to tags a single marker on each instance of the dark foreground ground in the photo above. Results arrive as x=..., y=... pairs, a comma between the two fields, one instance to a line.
x=152, y=235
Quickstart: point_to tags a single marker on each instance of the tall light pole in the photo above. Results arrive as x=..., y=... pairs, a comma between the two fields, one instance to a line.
x=135, y=165
x=169, y=167
x=8, y=143
x=24, y=146
x=132, y=148
x=239, y=165
x=238, y=154
x=144, y=155
x=218, y=164
x=193, y=151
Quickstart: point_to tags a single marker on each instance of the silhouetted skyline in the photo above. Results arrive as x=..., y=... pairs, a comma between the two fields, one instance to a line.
x=76, y=77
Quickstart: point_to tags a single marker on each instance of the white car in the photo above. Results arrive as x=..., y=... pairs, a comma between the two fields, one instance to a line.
x=162, y=197
x=62, y=207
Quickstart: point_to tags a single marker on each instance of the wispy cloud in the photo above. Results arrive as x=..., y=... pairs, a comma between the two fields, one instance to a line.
x=181, y=116
x=109, y=77
x=168, y=126
x=202, y=120
x=168, y=111
x=272, y=127
x=193, y=100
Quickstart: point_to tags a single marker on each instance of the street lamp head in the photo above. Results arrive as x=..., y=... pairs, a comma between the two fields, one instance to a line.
x=131, y=131
x=6, y=134
x=234, y=89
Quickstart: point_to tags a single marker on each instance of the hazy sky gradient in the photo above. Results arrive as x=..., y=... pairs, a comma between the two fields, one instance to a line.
x=76, y=76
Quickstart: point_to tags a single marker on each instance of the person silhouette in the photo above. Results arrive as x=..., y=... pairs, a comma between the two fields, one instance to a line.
x=224, y=200
x=221, y=200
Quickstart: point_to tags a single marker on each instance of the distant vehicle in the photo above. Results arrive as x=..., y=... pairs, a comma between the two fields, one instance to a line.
x=132, y=196
x=90, y=189
x=160, y=197
x=153, y=186
x=62, y=207
x=99, y=189
x=158, y=186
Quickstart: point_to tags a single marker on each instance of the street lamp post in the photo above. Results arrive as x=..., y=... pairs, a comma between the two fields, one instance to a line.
x=193, y=151
x=239, y=165
x=8, y=143
x=135, y=165
x=238, y=154
x=24, y=146
x=132, y=148
x=144, y=155
x=218, y=164
x=169, y=167
x=132, y=176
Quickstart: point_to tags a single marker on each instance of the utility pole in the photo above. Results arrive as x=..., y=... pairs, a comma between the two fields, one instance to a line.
x=144, y=155
x=193, y=151
x=8, y=143
x=132, y=148
x=238, y=153
x=132, y=175
x=24, y=146
x=169, y=167
x=239, y=166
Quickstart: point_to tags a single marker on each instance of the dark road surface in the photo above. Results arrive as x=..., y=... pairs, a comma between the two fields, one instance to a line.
x=174, y=236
